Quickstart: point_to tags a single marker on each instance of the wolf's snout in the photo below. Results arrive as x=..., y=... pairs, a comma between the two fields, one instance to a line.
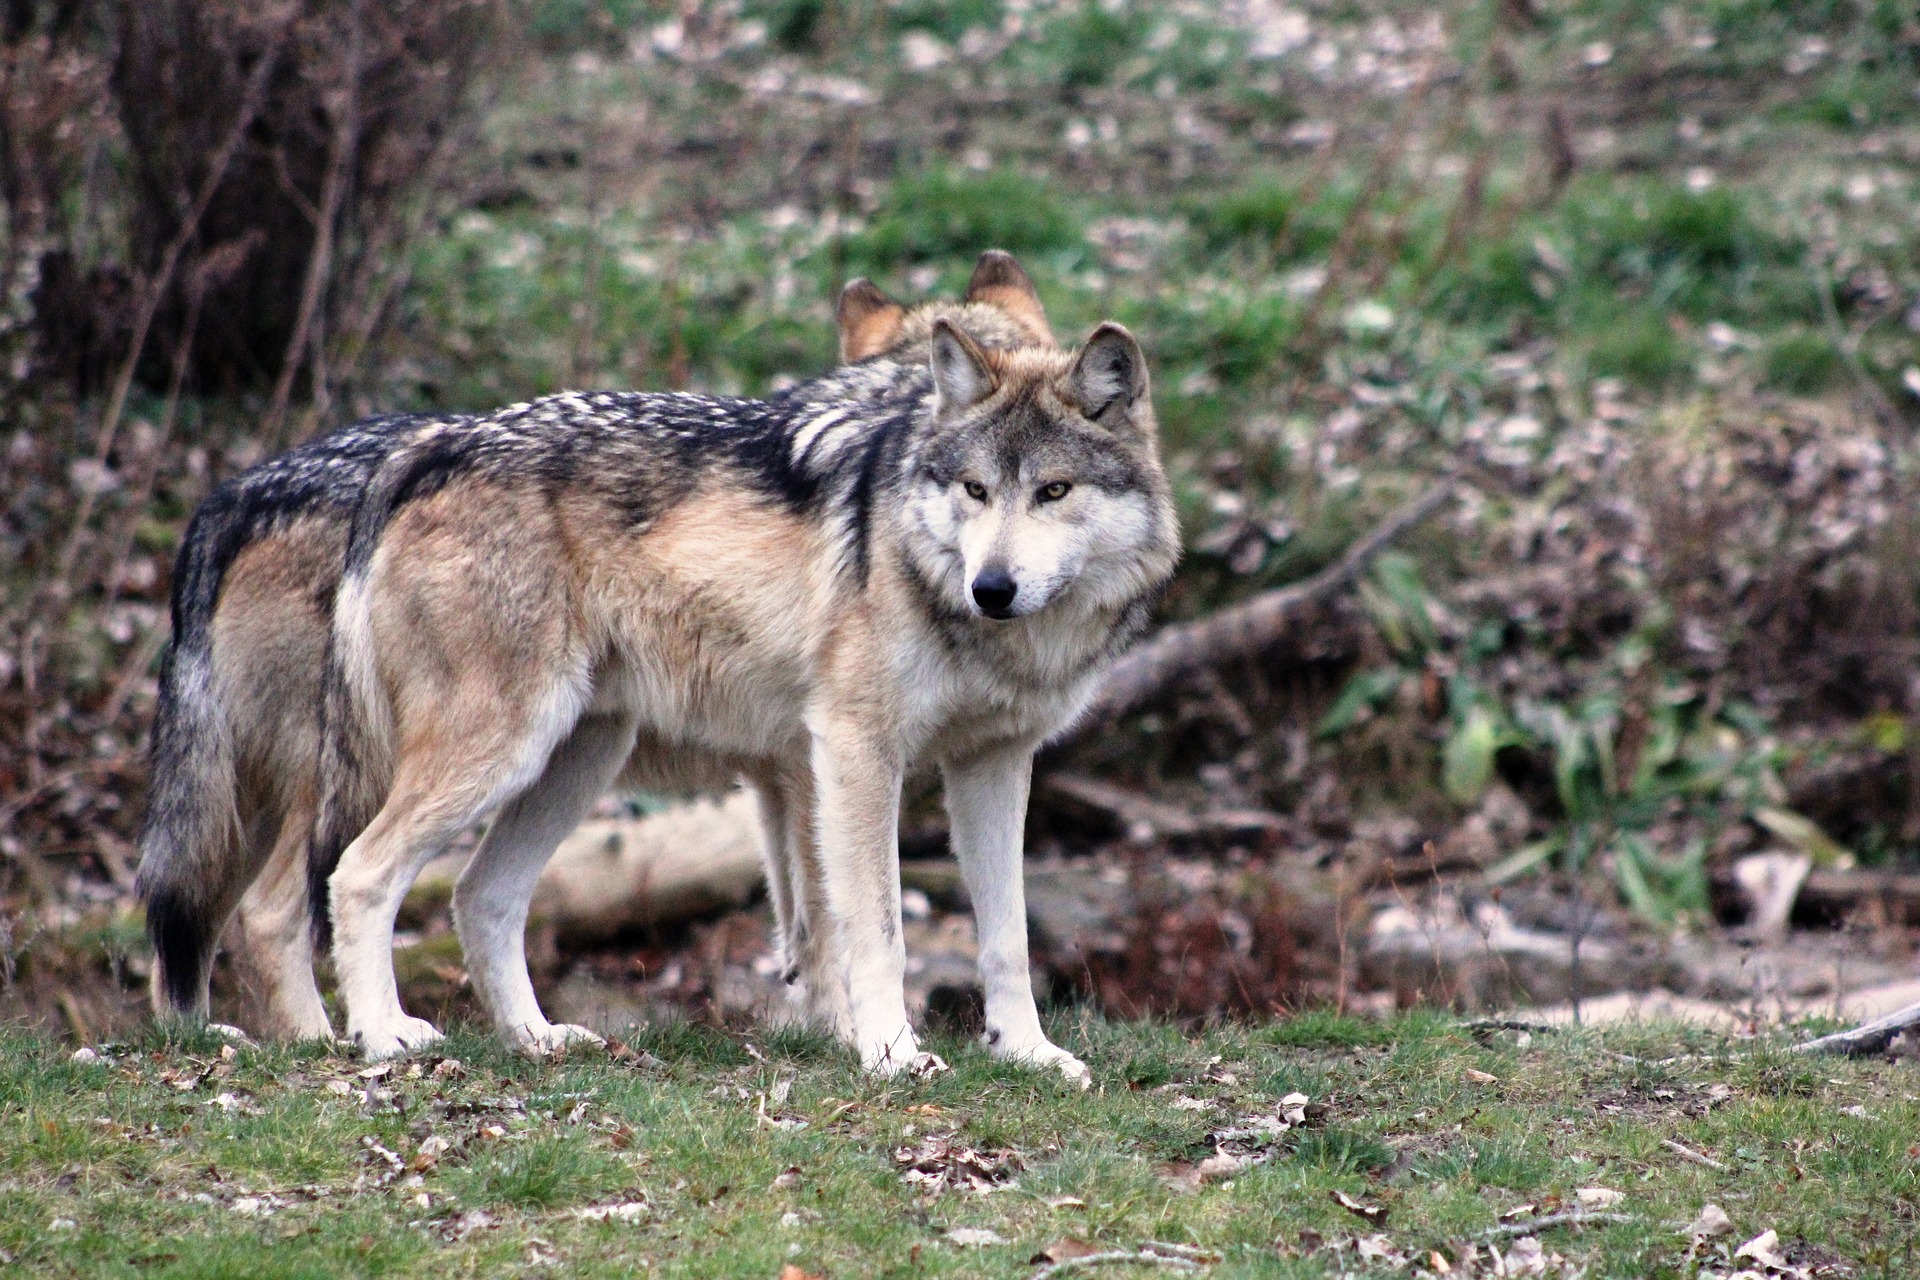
x=993, y=591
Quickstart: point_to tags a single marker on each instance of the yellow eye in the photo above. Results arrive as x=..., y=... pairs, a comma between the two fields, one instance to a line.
x=976, y=491
x=1055, y=491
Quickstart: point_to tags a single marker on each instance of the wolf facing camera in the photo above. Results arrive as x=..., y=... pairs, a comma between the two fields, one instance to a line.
x=929, y=554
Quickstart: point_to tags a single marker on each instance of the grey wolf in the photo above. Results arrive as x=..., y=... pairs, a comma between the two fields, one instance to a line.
x=235, y=739
x=808, y=592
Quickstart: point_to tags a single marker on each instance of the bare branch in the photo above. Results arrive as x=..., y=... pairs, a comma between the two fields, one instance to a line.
x=1247, y=627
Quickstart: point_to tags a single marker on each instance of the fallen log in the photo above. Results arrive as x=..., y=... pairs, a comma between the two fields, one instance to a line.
x=1835, y=896
x=1867, y=1038
x=617, y=875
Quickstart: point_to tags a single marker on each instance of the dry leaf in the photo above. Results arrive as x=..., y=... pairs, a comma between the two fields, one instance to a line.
x=928, y=1065
x=1373, y=1213
x=1763, y=1249
x=1378, y=1248
x=1480, y=1077
x=1219, y=1167
x=974, y=1237
x=1598, y=1197
x=937, y=1165
x=625, y=1211
x=1713, y=1221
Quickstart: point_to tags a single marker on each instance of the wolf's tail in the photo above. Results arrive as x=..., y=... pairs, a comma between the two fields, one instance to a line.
x=190, y=846
x=356, y=717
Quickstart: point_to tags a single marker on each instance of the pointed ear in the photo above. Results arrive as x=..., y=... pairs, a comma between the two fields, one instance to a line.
x=1110, y=375
x=960, y=372
x=999, y=282
x=869, y=320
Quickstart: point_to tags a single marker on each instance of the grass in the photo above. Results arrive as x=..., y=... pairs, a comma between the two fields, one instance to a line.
x=182, y=1157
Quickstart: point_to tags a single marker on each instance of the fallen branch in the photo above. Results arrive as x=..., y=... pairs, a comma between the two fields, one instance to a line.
x=1867, y=1038
x=1152, y=1255
x=617, y=875
x=1686, y=1152
x=1570, y=1218
x=1248, y=627
x=1142, y=819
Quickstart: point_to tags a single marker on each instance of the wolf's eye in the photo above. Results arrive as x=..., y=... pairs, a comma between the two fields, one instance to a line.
x=976, y=491
x=1055, y=491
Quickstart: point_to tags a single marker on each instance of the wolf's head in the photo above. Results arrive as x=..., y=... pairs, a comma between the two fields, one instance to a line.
x=1037, y=482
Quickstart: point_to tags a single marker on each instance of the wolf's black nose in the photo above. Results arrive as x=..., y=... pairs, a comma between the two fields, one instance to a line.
x=993, y=591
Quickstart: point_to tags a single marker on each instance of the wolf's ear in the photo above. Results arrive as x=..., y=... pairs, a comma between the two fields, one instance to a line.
x=960, y=372
x=1110, y=376
x=869, y=320
x=999, y=282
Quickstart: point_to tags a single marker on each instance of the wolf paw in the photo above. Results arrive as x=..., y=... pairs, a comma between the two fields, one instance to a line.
x=554, y=1038
x=1048, y=1054
x=396, y=1039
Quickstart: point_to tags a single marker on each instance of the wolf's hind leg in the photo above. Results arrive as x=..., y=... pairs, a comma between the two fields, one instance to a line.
x=987, y=807
x=491, y=899
x=794, y=883
x=445, y=781
x=276, y=941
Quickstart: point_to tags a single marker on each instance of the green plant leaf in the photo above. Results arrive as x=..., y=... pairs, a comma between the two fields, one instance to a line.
x=1630, y=860
x=1525, y=859
x=1467, y=758
x=1362, y=694
x=1805, y=835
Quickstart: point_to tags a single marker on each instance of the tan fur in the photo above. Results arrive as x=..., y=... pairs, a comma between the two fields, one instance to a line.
x=869, y=321
x=999, y=282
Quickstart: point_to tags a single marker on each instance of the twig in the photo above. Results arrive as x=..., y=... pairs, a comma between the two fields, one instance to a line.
x=1570, y=1218
x=76, y=1021
x=1134, y=1257
x=163, y=279
x=1686, y=1152
x=340, y=160
x=1868, y=1037
x=1249, y=626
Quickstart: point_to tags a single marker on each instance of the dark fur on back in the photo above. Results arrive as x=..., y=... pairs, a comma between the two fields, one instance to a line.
x=192, y=821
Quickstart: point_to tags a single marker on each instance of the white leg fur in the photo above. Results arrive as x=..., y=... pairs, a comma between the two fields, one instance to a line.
x=277, y=939
x=421, y=815
x=776, y=853
x=817, y=990
x=365, y=894
x=987, y=809
x=491, y=899
x=857, y=786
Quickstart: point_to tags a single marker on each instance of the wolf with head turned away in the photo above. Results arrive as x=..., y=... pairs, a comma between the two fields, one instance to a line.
x=418, y=624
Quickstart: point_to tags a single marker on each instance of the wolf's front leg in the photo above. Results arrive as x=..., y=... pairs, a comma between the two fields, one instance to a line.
x=857, y=790
x=987, y=809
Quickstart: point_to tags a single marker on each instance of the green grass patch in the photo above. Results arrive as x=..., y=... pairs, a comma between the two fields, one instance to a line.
x=736, y=1155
